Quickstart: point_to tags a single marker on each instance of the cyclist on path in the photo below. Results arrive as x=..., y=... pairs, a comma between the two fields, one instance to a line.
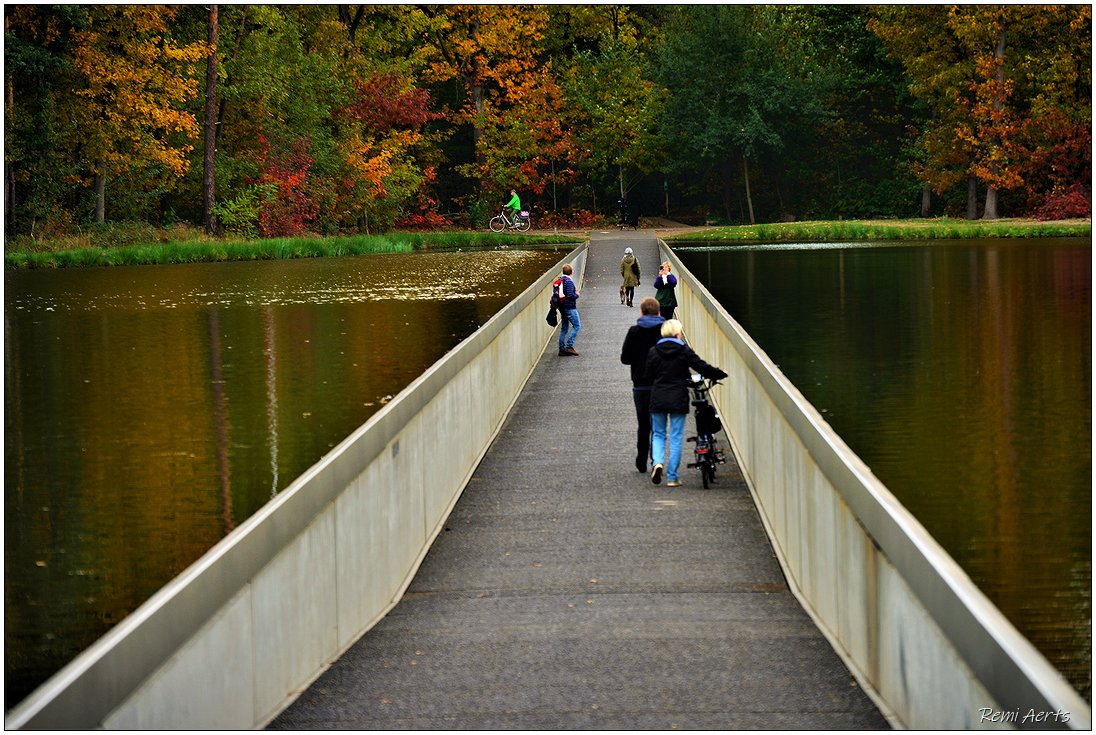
x=514, y=205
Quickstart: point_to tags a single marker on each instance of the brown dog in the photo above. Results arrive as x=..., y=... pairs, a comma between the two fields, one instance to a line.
x=622, y=294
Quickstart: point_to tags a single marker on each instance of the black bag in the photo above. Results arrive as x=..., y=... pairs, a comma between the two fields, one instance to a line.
x=707, y=420
x=552, y=318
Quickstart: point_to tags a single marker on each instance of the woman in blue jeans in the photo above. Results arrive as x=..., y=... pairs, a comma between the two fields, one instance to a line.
x=670, y=364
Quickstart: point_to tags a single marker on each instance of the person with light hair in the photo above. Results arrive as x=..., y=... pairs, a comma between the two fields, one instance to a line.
x=665, y=283
x=670, y=364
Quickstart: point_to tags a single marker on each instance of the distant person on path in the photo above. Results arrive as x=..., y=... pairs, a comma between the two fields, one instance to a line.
x=568, y=313
x=513, y=206
x=629, y=271
x=665, y=284
x=669, y=366
x=637, y=343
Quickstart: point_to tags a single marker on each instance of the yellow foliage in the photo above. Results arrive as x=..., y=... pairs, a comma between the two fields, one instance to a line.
x=137, y=82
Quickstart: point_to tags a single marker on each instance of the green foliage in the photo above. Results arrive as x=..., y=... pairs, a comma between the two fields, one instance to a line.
x=862, y=230
x=138, y=244
x=240, y=216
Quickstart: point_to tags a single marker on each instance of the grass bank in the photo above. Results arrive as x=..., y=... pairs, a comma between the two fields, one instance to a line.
x=157, y=251
x=861, y=230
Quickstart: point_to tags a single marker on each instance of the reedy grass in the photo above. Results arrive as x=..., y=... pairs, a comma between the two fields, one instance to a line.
x=273, y=249
x=913, y=229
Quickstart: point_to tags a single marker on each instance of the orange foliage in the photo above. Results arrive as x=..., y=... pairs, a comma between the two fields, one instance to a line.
x=136, y=82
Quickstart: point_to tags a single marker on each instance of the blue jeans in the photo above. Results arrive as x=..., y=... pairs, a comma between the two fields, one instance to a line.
x=568, y=317
x=658, y=441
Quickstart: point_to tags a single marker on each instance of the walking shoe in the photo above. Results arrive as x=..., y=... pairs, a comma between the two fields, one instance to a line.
x=570, y=351
x=641, y=466
x=673, y=483
x=656, y=474
x=564, y=353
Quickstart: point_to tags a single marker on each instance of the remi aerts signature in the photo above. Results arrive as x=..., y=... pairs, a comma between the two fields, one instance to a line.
x=1032, y=716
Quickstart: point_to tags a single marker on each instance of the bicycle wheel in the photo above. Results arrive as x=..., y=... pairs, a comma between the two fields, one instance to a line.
x=523, y=224
x=705, y=469
x=497, y=224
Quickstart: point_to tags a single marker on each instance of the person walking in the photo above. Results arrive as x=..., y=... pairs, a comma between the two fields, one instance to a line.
x=639, y=340
x=665, y=283
x=569, y=323
x=629, y=271
x=669, y=368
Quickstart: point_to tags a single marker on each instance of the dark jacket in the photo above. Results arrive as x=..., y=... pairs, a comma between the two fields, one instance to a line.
x=570, y=294
x=637, y=343
x=668, y=364
x=664, y=290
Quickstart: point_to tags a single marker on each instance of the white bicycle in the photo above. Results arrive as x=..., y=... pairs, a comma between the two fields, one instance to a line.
x=501, y=222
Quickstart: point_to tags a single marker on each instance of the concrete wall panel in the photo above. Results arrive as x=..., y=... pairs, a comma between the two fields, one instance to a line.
x=215, y=704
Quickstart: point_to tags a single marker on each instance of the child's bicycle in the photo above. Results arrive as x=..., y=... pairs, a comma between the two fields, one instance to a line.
x=708, y=453
x=501, y=222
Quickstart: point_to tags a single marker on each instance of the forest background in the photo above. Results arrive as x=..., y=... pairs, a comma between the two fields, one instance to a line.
x=272, y=121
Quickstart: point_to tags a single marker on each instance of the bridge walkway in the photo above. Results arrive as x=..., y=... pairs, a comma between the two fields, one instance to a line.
x=569, y=592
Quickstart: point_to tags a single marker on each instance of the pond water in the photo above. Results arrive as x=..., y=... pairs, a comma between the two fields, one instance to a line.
x=961, y=373
x=149, y=410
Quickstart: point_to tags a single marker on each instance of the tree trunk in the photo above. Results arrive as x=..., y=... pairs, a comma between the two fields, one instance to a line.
x=749, y=198
x=998, y=103
x=209, y=182
x=100, y=197
x=991, y=204
x=351, y=23
x=476, y=86
x=235, y=52
x=972, y=197
x=926, y=200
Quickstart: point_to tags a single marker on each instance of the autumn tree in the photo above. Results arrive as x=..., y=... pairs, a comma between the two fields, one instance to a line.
x=988, y=75
x=615, y=108
x=133, y=82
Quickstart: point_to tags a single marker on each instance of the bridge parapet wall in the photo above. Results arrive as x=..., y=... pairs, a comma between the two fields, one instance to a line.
x=920, y=637
x=236, y=637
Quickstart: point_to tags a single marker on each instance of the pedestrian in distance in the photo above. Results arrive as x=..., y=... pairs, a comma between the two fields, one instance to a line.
x=639, y=340
x=669, y=368
x=569, y=323
x=629, y=271
x=665, y=284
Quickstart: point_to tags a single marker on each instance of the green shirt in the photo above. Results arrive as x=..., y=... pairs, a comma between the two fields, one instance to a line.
x=514, y=203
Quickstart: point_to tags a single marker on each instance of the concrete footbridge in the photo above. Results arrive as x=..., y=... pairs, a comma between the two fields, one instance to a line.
x=567, y=591
x=482, y=554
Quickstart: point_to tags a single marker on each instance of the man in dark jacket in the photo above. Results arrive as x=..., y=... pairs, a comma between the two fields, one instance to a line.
x=669, y=368
x=637, y=343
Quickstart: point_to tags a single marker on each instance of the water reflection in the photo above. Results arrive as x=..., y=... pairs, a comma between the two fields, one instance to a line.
x=150, y=410
x=961, y=373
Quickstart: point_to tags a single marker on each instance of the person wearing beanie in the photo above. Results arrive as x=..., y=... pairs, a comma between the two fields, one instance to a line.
x=629, y=271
